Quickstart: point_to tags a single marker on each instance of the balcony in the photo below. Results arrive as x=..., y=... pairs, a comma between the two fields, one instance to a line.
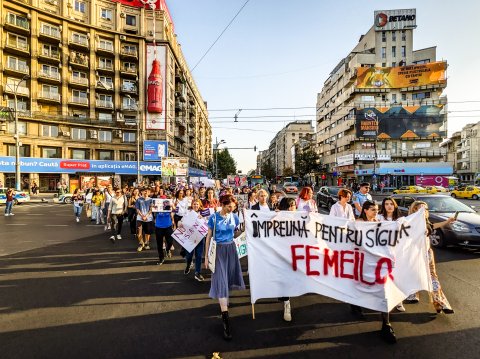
x=78, y=42
x=104, y=104
x=79, y=81
x=129, y=107
x=78, y=59
x=180, y=136
x=105, y=49
x=76, y=100
x=49, y=55
x=48, y=96
x=21, y=90
x=104, y=86
x=105, y=67
x=49, y=75
x=127, y=52
x=438, y=152
x=17, y=24
x=129, y=88
x=128, y=71
x=16, y=68
x=50, y=34
x=18, y=47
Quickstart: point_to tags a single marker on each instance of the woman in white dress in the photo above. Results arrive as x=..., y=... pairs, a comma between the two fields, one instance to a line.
x=342, y=208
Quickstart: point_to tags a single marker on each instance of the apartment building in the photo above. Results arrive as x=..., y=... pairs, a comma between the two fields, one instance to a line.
x=468, y=154
x=379, y=113
x=76, y=72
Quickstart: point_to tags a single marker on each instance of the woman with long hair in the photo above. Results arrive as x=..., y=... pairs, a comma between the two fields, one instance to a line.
x=439, y=299
x=251, y=199
x=222, y=228
x=342, y=208
x=389, y=210
x=210, y=201
x=78, y=200
x=132, y=212
x=305, y=201
x=181, y=205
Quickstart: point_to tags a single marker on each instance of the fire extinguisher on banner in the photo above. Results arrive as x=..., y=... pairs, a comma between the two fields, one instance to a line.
x=155, y=89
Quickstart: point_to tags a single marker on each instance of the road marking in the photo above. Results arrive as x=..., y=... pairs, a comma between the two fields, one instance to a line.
x=16, y=224
x=56, y=225
x=36, y=214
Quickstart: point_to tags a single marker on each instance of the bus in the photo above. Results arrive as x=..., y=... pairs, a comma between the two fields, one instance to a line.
x=295, y=180
x=253, y=180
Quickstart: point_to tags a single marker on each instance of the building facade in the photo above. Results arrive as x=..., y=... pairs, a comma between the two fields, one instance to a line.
x=279, y=153
x=377, y=107
x=468, y=154
x=76, y=71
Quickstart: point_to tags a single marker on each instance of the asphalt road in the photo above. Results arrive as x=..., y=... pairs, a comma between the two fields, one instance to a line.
x=67, y=292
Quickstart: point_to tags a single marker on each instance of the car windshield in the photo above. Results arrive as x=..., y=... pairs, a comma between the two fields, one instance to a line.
x=445, y=204
x=287, y=184
x=333, y=190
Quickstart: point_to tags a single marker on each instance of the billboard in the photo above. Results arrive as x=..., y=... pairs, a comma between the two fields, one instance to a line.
x=405, y=76
x=156, y=81
x=154, y=150
x=174, y=166
x=409, y=122
x=394, y=19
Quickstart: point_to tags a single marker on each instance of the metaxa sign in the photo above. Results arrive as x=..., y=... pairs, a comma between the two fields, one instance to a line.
x=394, y=19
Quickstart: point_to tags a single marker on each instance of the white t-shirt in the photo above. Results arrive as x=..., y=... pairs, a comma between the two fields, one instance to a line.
x=309, y=206
x=337, y=210
x=264, y=207
x=182, y=207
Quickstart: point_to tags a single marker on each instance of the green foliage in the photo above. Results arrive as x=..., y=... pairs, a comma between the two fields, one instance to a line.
x=226, y=163
x=306, y=162
x=268, y=171
x=287, y=172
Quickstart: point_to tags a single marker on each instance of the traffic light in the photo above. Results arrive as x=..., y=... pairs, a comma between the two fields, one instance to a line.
x=255, y=148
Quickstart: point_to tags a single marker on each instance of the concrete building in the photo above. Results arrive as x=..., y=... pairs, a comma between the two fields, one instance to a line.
x=376, y=107
x=451, y=145
x=79, y=71
x=468, y=154
x=280, y=150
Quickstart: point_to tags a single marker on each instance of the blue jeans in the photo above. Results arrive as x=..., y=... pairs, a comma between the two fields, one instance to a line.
x=77, y=210
x=8, y=207
x=198, y=250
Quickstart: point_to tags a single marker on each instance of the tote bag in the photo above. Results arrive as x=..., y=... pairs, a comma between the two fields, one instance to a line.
x=212, y=249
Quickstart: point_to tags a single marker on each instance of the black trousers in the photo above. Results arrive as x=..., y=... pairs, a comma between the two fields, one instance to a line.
x=162, y=234
x=132, y=219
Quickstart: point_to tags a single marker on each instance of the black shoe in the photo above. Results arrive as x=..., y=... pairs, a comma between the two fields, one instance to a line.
x=357, y=312
x=199, y=277
x=227, y=335
x=388, y=334
x=446, y=311
x=159, y=263
x=187, y=269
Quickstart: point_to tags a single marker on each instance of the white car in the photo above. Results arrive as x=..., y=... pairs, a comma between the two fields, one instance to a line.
x=20, y=197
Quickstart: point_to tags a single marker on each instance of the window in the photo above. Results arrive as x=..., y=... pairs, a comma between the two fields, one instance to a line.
x=77, y=154
x=129, y=103
x=22, y=104
x=394, y=36
x=80, y=6
x=106, y=14
x=51, y=152
x=384, y=36
x=18, y=20
x=79, y=38
x=404, y=51
x=384, y=64
x=394, y=63
x=104, y=63
x=105, y=45
x=50, y=71
x=24, y=150
x=420, y=95
x=129, y=137
x=79, y=134
x=404, y=97
x=394, y=97
x=17, y=41
x=80, y=96
x=106, y=82
x=78, y=114
x=404, y=35
x=424, y=61
x=107, y=117
x=105, y=98
x=131, y=20
x=22, y=127
x=49, y=131
x=128, y=156
x=130, y=85
x=384, y=52
x=50, y=51
x=105, y=155
x=105, y=136
x=130, y=66
x=130, y=120
x=384, y=97
x=394, y=51
x=19, y=84
x=79, y=75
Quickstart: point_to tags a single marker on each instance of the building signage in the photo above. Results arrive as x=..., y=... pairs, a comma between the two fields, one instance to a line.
x=345, y=160
x=432, y=73
x=156, y=90
x=57, y=165
x=395, y=19
x=175, y=166
x=154, y=150
x=409, y=122
x=371, y=157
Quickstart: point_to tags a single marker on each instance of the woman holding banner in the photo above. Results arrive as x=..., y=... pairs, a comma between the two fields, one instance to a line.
x=439, y=299
x=222, y=228
x=369, y=214
x=342, y=208
x=262, y=204
x=305, y=201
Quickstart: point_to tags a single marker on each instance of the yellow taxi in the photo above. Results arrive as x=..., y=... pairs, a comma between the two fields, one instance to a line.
x=467, y=192
x=410, y=189
x=436, y=189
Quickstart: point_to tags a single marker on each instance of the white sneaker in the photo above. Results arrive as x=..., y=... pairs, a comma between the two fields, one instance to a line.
x=140, y=247
x=119, y=236
x=400, y=307
x=112, y=238
x=6, y=214
x=11, y=214
x=287, y=312
x=78, y=219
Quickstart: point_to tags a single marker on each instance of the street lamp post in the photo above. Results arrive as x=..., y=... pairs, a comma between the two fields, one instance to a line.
x=138, y=138
x=17, y=135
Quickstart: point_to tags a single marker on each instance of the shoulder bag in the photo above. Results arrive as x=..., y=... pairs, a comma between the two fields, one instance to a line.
x=212, y=249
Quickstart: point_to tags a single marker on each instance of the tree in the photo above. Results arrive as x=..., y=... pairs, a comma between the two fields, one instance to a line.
x=268, y=171
x=226, y=163
x=287, y=172
x=306, y=162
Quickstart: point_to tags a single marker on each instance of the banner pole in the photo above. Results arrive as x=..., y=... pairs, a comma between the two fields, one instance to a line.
x=253, y=311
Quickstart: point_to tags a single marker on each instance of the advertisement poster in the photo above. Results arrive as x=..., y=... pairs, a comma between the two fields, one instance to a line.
x=432, y=181
x=103, y=181
x=154, y=150
x=237, y=180
x=156, y=88
x=401, y=122
x=397, y=77
x=174, y=166
x=161, y=205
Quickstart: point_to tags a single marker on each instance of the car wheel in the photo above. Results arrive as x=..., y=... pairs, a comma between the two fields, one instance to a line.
x=437, y=239
x=453, y=195
x=474, y=196
x=15, y=202
x=67, y=200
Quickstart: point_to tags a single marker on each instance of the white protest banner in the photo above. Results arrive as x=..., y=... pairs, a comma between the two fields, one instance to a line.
x=192, y=231
x=375, y=265
x=161, y=205
x=241, y=243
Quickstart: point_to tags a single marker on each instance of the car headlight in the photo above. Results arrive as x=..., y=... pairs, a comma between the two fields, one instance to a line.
x=460, y=227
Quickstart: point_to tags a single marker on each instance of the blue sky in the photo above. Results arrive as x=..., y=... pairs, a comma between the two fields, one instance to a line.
x=278, y=53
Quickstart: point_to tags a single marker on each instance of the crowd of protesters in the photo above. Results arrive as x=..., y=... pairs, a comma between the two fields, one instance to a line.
x=112, y=206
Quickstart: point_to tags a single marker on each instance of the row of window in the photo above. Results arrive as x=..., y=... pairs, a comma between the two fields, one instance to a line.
x=393, y=98
x=394, y=52
x=74, y=153
x=78, y=134
x=394, y=36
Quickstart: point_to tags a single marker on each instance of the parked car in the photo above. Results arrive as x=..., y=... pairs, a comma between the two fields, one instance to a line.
x=20, y=196
x=436, y=189
x=467, y=192
x=327, y=196
x=465, y=231
x=410, y=189
x=290, y=188
x=65, y=198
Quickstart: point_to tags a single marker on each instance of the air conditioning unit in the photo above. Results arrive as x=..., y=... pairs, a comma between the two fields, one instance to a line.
x=93, y=134
x=123, y=37
x=117, y=133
